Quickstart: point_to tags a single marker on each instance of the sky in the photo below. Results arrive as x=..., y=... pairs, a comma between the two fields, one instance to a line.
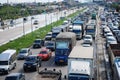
x=22, y=1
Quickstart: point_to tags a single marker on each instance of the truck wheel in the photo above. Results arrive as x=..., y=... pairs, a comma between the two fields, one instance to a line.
x=8, y=71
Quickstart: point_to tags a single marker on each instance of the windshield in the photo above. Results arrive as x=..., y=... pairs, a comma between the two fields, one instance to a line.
x=37, y=41
x=50, y=44
x=3, y=62
x=62, y=52
x=30, y=58
x=111, y=39
x=11, y=78
x=43, y=52
x=90, y=30
x=23, y=51
x=62, y=45
x=87, y=37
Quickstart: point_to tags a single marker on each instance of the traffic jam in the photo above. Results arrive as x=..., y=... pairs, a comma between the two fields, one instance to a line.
x=68, y=51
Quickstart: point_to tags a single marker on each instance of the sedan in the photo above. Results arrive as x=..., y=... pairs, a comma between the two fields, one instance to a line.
x=45, y=54
x=23, y=53
x=88, y=39
x=32, y=62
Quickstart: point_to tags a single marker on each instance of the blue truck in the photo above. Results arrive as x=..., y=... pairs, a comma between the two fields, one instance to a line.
x=78, y=28
x=64, y=43
x=55, y=32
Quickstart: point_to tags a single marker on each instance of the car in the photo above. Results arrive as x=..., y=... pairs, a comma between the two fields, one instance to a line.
x=50, y=45
x=38, y=43
x=32, y=62
x=15, y=76
x=48, y=36
x=106, y=30
x=110, y=40
x=23, y=53
x=88, y=39
x=45, y=54
x=109, y=34
x=86, y=44
x=35, y=22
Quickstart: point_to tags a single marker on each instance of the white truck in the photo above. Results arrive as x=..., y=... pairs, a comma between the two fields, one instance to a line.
x=80, y=63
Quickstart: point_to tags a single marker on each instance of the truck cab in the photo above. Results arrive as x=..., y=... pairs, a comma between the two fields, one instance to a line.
x=61, y=52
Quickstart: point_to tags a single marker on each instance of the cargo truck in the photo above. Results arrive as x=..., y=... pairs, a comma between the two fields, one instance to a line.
x=79, y=30
x=114, y=57
x=64, y=43
x=114, y=52
x=80, y=63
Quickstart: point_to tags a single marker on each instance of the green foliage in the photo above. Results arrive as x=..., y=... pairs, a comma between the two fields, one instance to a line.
x=11, y=12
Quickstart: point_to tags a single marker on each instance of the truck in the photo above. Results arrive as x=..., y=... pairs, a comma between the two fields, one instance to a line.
x=114, y=52
x=64, y=43
x=93, y=16
x=81, y=25
x=55, y=32
x=90, y=28
x=81, y=63
x=77, y=29
x=114, y=58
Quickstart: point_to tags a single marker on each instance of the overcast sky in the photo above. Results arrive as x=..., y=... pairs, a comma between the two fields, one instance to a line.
x=21, y=1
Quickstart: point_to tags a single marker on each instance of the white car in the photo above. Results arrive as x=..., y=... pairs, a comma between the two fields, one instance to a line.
x=110, y=40
x=88, y=39
x=109, y=34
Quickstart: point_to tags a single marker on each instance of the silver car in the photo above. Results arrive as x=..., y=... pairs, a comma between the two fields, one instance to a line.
x=23, y=53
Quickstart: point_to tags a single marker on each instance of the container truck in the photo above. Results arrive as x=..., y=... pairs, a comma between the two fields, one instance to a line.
x=64, y=43
x=81, y=63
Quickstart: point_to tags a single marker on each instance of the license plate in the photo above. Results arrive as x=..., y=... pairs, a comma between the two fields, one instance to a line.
x=61, y=60
x=29, y=66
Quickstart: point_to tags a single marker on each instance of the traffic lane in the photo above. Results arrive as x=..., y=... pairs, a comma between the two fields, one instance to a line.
x=50, y=64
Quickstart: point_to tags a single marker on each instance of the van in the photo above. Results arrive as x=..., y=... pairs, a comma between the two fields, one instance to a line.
x=7, y=60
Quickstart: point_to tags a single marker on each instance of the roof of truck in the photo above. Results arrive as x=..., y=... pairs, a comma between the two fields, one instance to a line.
x=80, y=67
x=66, y=35
x=82, y=52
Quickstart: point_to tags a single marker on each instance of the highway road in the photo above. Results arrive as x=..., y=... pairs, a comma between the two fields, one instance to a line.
x=99, y=58
x=16, y=31
x=45, y=64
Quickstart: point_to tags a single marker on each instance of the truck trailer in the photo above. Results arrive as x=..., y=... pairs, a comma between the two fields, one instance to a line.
x=64, y=43
x=80, y=63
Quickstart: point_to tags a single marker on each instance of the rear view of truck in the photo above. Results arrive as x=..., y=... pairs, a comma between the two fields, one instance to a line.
x=80, y=63
x=64, y=43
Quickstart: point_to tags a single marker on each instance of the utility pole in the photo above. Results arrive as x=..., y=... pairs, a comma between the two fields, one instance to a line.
x=8, y=10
